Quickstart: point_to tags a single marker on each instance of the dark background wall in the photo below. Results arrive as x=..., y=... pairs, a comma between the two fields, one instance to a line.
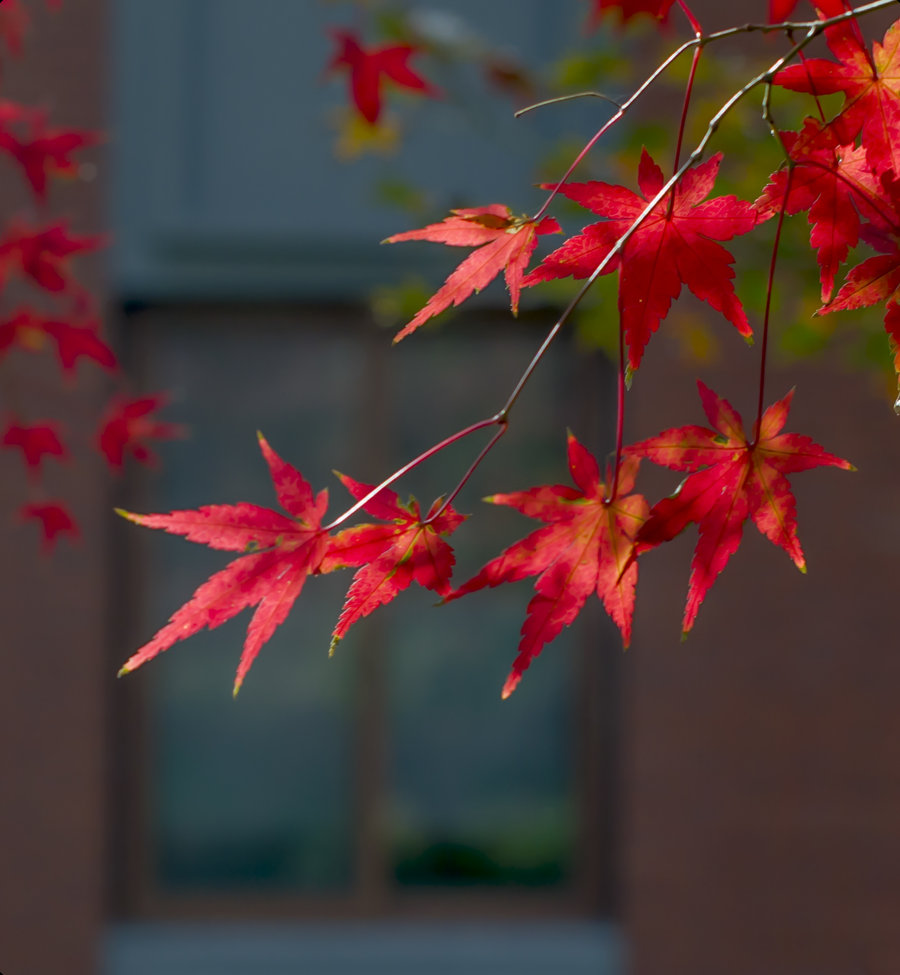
x=54, y=611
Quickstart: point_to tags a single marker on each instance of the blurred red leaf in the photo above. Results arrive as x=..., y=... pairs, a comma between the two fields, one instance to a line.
x=14, y=21
x=24, y=329
x=370, y=68
x=45, y=151
x=54, y=519
x=41, y=253
x=36, y=442
x=128, y=424
x=74, y=342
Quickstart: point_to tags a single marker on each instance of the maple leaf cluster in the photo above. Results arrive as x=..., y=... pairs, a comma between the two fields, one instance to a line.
x=46, y=311
x=668, y=234
x=848, y=169
x=282, y=551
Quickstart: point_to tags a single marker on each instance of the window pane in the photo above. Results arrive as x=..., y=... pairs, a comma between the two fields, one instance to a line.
x=256, y=792
x=263, y=793
x=482, y=790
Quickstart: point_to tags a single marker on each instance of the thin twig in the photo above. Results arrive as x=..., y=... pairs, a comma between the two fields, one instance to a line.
x=565, y=98
x=764, y=350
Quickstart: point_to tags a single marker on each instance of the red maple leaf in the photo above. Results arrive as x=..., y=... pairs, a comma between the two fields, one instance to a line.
x=875, y=280
x=630, y=8
x=14, y=112
x=127, y=424
x=25, y=329
x=780, y=10
x=870, y=84
x=393, y=555
x=271, y=579
x=834, y=183
x=675, y=245
x=44, y=151
x=29, y=330
x=585, y=548
x=54, y=519
x=369, y=68
x=734, y=479
x=504, y=243
x=36, y=441
x=14, y=21
x=74, y=342
x=40, y=254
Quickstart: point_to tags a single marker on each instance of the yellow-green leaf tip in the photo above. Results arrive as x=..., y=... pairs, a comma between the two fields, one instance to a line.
x=335, y=640
x=123, y=671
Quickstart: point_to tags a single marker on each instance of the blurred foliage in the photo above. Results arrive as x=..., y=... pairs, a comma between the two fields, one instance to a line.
x=393, y=305
x=356, y=137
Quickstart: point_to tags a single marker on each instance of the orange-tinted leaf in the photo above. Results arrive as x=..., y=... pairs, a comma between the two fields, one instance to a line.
x=505, y=243
x=270, y=580
x=734, y=479
x=586, y=547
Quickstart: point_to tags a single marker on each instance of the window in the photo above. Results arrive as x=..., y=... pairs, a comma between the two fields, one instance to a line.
x=390, y=778
x=389, y=781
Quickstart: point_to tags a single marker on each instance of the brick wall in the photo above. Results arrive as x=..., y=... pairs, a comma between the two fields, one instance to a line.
x=762, y=755
x=52, y=641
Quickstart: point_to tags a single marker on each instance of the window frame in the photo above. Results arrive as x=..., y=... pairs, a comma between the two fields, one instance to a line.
x=592, y=891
